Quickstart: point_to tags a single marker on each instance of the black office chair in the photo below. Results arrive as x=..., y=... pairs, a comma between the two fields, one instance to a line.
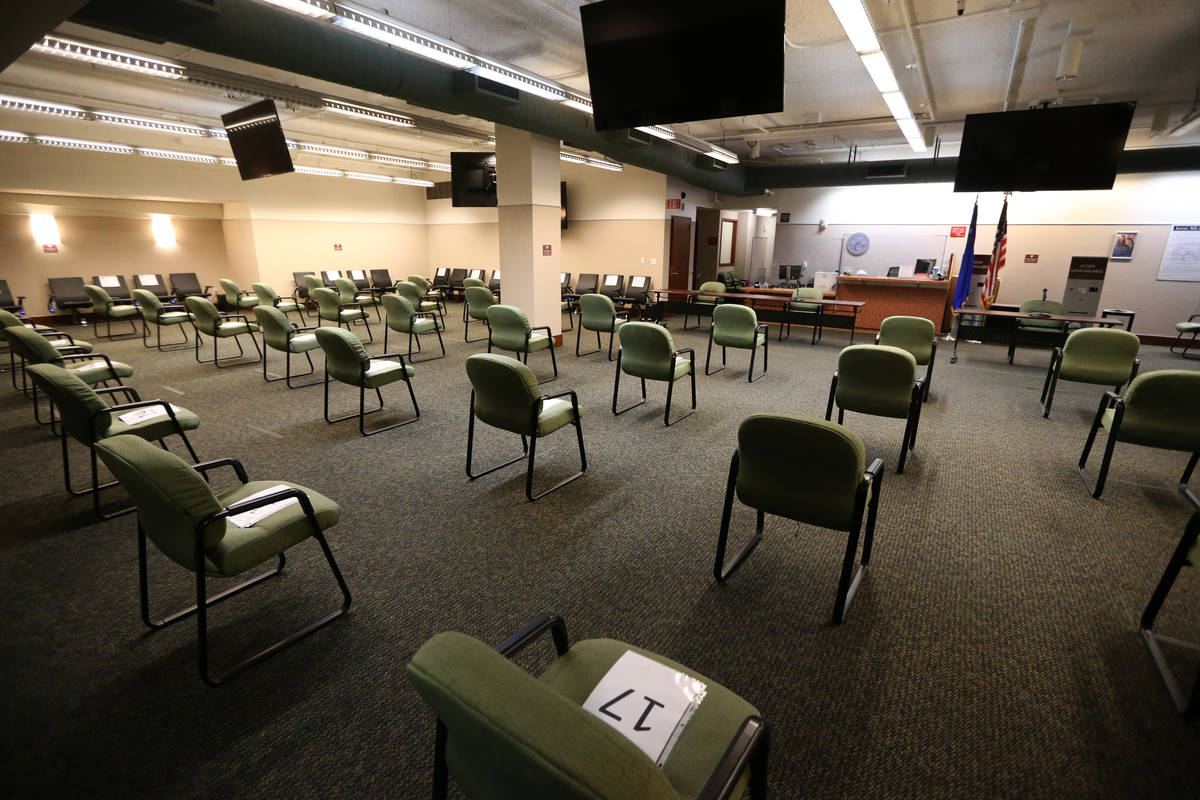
x=115, y=285
x=359, y=278
x=186, y=284
x=381, y=279
x=637, y=292
x=455, y=283
x=441, y=278
x=893, y=272
x=564, y=282
x=587, y=282
x=494, y=283
x=8, y=302
x=155, y=285
x=613, y=286
x=67, y=294
x=328, y=276
x=478, y=274
x=1185, y=554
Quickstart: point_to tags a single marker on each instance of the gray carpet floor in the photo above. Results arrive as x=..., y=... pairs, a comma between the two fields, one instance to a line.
x=992, y=649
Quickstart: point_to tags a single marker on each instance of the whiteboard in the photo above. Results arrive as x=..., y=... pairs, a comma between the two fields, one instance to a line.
x=1181, y=258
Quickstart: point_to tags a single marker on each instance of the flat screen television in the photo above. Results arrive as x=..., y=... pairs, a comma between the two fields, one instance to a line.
x=257, y=141
x=562, y=199
x=473, y=179
x=652, y=62
x=1048, y=149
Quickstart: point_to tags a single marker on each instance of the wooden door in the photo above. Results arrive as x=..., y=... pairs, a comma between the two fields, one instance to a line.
x=679, y=266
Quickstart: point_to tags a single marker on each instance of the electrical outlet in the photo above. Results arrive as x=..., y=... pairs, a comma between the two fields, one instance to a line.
x=654, y=261
x=643, y=261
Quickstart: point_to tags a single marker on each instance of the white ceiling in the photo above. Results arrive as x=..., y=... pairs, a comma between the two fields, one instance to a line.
x=949, y=66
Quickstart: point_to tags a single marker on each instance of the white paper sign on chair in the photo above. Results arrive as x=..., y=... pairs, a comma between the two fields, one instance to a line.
x=646, y=702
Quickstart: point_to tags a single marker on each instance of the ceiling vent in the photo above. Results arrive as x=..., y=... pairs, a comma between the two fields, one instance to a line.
x=485, y=88
x=894, y=169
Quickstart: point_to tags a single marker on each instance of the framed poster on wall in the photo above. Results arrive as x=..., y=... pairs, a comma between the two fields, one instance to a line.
x=728, y=247
x=1123, y=244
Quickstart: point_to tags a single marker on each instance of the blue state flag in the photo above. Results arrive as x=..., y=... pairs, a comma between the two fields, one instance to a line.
x=966, y=267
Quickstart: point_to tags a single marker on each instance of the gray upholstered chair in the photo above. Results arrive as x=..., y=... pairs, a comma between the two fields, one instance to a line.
x=91, y=368
x=161, y=315
x=403, y=318
x=109, y=309
x=509, y=329
x=712, y=294
x=267, y=296
x=348, y=293
x=87, y=419
x=475, y=309
x=882, y=381
x=1045, y=326
x=217, y=534
x=502, y=733
x=647, y=352
x=330, y=308
x=505, y=395
x=918, y=336
x=280, y=333
x=1192, y=326
x=347, y=361
x=1159, y=409
x=235, y=299
x=737, y=326
x=1187, y=553
x=1104, y=356
x=598, y=313
x=207, y=320
x=809, y=471
x=804, y=313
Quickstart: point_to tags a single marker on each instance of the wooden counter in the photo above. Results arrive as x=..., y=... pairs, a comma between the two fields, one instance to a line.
x=889, y=297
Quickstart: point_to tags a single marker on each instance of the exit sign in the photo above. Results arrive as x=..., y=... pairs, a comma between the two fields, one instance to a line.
x=675, y=203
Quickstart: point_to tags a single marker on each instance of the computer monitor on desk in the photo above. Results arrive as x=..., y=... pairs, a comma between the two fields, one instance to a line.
x=924, y=265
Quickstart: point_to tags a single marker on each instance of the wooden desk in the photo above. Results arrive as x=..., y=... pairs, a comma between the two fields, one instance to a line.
x=1013, y=335
x=890, y=297
x=772, y=307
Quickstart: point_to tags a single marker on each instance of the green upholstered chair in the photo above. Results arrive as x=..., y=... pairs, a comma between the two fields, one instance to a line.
x=1046, y=326
x=1192, y=326
x=503, y=733
x=804, y=313
x=732, y=280
x=203, y=532
x=598, y=313
x=108, y=309
x=568, y=306
x=235, y=298
x=879, y=380
x=1157, y=410
x=1105, y=356
x=647, y=352
x=161, y=315
x=87, y=419
x=809, y=471
x=330, y=308
x=403, y=318
x=918, y=336
x=313, y=281
x=509, y=329
x=422, y=302
x=91, y=368
x=63, y=342
x=712, y=294
x=267, y=296
x=428, y=292
x=280, y=333
x=737, y=326
x=1187, y=553
x=347, y=361
x=475, y=309
x=220, y=325
x=468, y=282
x=505, y=395
x=349, y=293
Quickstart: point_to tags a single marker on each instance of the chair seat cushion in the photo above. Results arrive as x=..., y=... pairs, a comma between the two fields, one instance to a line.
x=428, y=306
x=303, y=342
x=539, y=341
x=1095, y=373
x=555, y=414
x=366, y=297
x=808, y=308
x=682, y=367
x=1149, y=430
x=288, y=306
x=1187, y=327
x=92, y=372
x=704, y=738
x=241, y=549
x=79, y=345
x=155, y=428
x=425, y=325
x=247, y=301
x=1039, y=325
x=118, y=312
x=174, y=318
x=235, y=327
x=381, y=373
x=352, y=313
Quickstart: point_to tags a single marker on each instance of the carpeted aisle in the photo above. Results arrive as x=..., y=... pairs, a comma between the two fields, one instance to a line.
x=991, y=651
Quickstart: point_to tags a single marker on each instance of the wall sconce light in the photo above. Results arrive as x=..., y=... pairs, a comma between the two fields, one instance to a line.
x=45, y=231
x=163, y=230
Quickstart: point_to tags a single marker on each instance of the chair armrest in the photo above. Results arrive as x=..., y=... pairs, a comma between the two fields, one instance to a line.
x=431, y=314
x=534, y=630
x=724, y=776
x=354, y=303
x=205, y=466
x=545, y=328
x=762, y=328
x=877, y=338
x=242, y=317
x=1193, y=317
x=294, y=331
x=70, y=351
x=169, y=308
x=387, y=355
x=249, y=505
x=206, y=290
x=86, y=356
x=874, y=471
x=683, y=350
x=131, y=395
x=20, y=299
x=624, y=314
x=138, y=404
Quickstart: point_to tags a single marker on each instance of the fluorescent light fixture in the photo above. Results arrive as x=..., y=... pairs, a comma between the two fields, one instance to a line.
x=764, y=212
x=108, y=57
x=1187, y=126
x=519, y=80
x=407, y=39
x=336, y=152
x=85, y=144
x=177, y=155
x=880, y=71
x=10, y=103
x=897, y=105
x=412, y=182
x=153, y=124
x=400, y=161
x=439, y=167
x=163, y=230
x=367, y=176
x=578, y=103
x=612, y=166
x=13, y=136
x=45, y=230
x=328, y=173
x=853, y=16
x=232, y=162
x=218, y=133
x=721, y=154
x=660, y=131
x=367, y=113
x=318, y=9
x=572, y=157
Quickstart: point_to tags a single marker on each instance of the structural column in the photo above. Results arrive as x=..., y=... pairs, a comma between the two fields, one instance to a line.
x=528, y=176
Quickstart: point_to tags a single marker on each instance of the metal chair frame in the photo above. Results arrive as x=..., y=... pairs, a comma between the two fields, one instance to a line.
x=412, y=336
x=362, y=390
x=760, y=329
x=1189, y=708
x=911, y=422
x=670, y=387
x=240, y=358
x=524, y=354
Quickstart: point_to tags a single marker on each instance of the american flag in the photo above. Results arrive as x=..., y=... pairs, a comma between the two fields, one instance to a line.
x=991, y=284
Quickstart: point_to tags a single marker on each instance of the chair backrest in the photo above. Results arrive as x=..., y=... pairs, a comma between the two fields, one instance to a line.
x=398, y=311
x=479, y=300
x=876, y=379
x=152, y=282
x=327, y=303
x=10, y=320
x=1104, y=355
x=456, y=277
x=477, y=274
x=596, y=311
x=646, y=350
x=509, y=325
x=275, y=326
x=421, y=282
x=68, y=292
x=510, y=735
x=730, y=278
x=301, y=282
x=32, y=346
x=359, y=278
x=638, y=288
x=441, y=276
x=311, y=281
x=346, y=290
x=207, y=318
x=612, y=285
x=99, y=297
x=893, y=272
x=586, y=283
x=411, y=292
x=115, y=285
x=231, y=291
x=266, y=295
x=803, y=469
x=6, y=297
x=494, y=283
x=185, y=284
x=711, y=290
x=914, y=334
x=381, y=279
x=806, y=294
x=1042, y=307
x=564, y=280
x=149, y=302
x=506, y=392
x=1167, y=398
x=171, y=497
x=75, y=400
x=328, y=276
x=735, y=326
x=344, y=354
x=472, y=281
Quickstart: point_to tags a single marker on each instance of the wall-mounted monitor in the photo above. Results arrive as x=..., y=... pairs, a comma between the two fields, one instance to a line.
x=1066, y=148
x=257, y=141
x=657, y=61
x=473, y=180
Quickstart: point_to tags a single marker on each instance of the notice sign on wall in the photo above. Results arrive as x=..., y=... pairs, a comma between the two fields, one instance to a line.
x=1181, y=258
x=49, y=248
x=545, y=249
x=337, y=248
x=1031, y=258
x=958, y=231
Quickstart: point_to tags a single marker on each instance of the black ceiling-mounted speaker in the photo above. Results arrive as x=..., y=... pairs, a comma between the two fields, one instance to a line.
x=886, y=169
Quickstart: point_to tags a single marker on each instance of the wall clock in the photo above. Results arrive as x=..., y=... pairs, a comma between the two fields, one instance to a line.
x=857, y=244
